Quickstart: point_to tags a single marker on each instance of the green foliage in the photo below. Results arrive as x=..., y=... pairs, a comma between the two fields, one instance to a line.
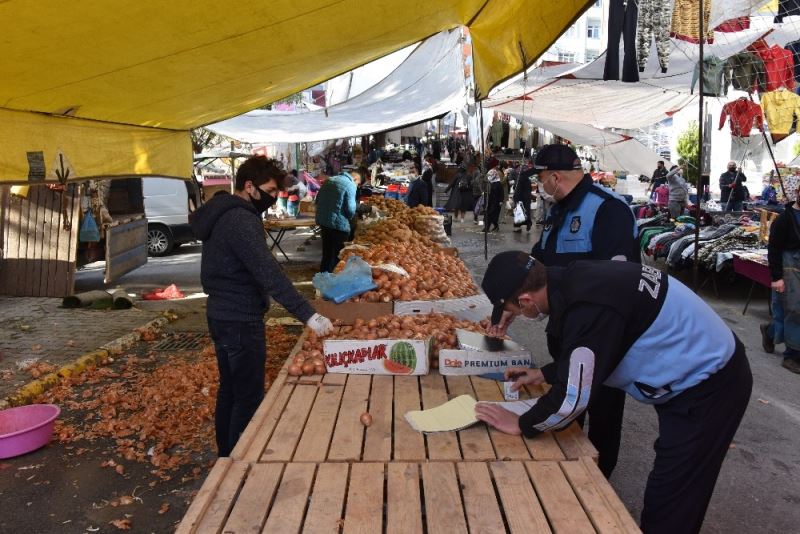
x=796, y=149
x=689, y=151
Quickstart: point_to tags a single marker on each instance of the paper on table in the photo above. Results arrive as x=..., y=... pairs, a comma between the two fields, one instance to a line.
x=452, y=415
x=457, y=414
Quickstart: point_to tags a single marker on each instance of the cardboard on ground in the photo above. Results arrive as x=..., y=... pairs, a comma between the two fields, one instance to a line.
x=457, y=414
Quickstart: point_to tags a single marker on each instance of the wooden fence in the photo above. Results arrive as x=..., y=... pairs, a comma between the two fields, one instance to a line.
x=39, y=238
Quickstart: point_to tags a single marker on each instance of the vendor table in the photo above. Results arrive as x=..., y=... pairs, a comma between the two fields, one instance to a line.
x=570, y=496
x=756, y=271
x=305, y=463
x=277, y=228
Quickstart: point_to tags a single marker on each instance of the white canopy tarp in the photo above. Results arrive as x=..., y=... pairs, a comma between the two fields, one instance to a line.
x=429, y=83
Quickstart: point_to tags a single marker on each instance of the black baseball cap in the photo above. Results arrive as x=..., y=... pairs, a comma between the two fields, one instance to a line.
x=557, y=158
x=504, y=276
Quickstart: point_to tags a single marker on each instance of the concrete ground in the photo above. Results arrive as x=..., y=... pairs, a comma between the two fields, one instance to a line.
x=759, y=487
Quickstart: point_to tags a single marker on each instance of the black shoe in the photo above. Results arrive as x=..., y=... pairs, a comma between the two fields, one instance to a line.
x=792, y=365
x=496, y=228
x=766, y=341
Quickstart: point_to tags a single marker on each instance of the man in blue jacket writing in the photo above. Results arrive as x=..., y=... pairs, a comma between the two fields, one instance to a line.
x=633, y=328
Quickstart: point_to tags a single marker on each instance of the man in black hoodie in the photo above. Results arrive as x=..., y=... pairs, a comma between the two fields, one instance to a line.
x=239, y=274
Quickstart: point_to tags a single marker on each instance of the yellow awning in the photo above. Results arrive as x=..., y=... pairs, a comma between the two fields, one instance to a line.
x=160, y=68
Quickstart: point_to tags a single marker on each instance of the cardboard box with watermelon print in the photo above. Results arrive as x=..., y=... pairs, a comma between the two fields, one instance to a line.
x=378, y=356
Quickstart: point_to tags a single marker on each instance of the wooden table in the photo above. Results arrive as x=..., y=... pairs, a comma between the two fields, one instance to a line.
x=277, y=228
x=570, y=496
x=305, y=463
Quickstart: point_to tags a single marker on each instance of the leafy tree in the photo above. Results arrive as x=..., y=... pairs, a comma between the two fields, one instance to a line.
x=689, y=151
x=202, y=138
x=796, y=149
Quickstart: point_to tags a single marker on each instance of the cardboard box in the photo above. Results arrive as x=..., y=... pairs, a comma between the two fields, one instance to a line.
x=348, y=312
x=479, y=354
x=473, y=308
x=376, y=357
x=473, y=362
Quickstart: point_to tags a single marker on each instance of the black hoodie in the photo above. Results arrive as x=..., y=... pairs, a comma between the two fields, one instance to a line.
x=237, y=270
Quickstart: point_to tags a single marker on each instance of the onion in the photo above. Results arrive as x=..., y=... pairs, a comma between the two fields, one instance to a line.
x=320, y=368
x=295, y=370
x=308, y=369
x=366, y=419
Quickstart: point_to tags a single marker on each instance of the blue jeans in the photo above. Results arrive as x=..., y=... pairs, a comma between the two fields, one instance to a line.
x=733, y=205
x=241, y=354
x=775, y=328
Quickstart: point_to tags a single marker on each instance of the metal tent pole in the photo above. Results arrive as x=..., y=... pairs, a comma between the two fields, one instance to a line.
x=695, y=266
x=484, y=194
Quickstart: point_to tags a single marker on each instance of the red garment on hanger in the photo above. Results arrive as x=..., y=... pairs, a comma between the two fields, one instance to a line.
x=743, y=114
x=779, y=65
x=734, y=25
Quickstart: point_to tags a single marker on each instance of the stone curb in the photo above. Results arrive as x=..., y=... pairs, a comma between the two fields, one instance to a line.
x=26, y=394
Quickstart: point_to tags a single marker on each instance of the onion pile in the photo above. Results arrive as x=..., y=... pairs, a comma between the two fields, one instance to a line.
x=391, y=230
x=441, y=327
x=399, y=210
x=307, y=362
x=432, y=273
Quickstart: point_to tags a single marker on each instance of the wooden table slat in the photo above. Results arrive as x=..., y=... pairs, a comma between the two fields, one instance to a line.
x=378, y=442
x=284, y=439
x=523, y=511
x=475, y=441
x=318, y=431
x=508, y=447
x=348, y=436
x=365, y=499
x=327, y=499
x=286, y=515
x=575, y=443
x=408, y=443
x=562, y=507
x=480, y=502
x=444, y=512
x=250, y=510
x=403, y=504
x=605, y=509
x=223, y=500
x=441, y=445
x=204, y=496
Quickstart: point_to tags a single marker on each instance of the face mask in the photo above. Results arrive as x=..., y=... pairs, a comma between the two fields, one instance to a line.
x=540, y=317
x=545, y=195
x=263, y=204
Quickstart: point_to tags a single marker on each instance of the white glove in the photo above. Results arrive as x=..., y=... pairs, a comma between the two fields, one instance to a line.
x=320, y=324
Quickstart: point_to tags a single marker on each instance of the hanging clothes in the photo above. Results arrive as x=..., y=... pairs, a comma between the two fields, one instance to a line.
x=779, y=68
x=685, y=25
x=750, y=149
x=714, y=71
x=654, y=21
x=746, y=72
x=497, y=132
x=734, y=25
x=622, y=17
x=780, y=109
x=794, y=48
x=787, y=8
x=744, y=115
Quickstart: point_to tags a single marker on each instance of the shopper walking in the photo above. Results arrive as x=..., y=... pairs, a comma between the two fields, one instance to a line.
x=494, y=201
x=480, y=188
x=239, y=275
x=523, y=197
x=460, y=190
x=336, y=206
x=678, y=191
x=784, y=266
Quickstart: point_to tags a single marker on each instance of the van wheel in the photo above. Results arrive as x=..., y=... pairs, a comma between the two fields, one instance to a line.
x=159, y=241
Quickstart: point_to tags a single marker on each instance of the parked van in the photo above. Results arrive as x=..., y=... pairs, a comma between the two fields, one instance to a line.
x=167, y=205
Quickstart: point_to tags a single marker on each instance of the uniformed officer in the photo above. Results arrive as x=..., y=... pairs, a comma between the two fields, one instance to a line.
x=587, y=221
x=633, y=328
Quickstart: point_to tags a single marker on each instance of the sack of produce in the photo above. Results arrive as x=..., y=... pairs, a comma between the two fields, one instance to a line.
x=353, y=280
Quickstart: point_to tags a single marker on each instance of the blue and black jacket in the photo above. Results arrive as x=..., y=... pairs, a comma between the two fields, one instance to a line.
x=626, y=326
x=590, y=223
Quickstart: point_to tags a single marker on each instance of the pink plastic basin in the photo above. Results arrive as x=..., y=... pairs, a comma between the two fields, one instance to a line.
x=26, y=428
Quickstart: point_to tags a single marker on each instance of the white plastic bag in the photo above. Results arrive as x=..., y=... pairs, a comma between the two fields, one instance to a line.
x=519, y=214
